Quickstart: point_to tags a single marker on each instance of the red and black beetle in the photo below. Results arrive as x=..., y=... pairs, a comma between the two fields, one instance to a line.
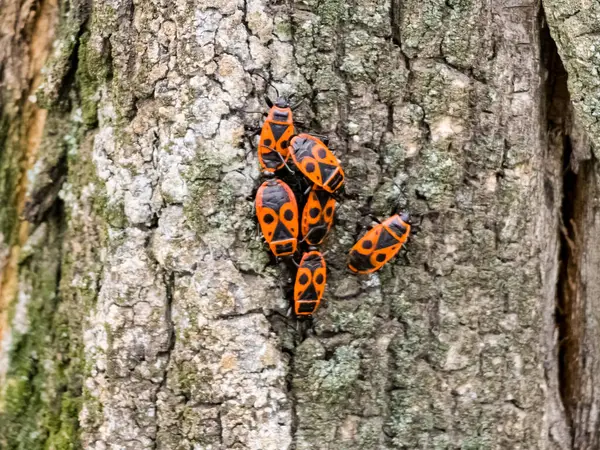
x=277, y=213
x=379, y=245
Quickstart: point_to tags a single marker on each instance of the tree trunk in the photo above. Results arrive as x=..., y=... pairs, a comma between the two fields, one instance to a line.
x=139, y=308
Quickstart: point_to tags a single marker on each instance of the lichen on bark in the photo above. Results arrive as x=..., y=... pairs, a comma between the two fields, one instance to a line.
x=574, y=26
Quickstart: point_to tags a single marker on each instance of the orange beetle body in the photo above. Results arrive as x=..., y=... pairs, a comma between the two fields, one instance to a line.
x=317, y=216
x=379, y=245
x=310, y=283
x=316, y=162
x=277, y=213
x=275, y=136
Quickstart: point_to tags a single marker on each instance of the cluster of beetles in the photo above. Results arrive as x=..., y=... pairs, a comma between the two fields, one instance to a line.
x=279, y=218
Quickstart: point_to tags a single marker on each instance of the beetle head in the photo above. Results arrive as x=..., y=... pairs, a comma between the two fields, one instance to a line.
x=282, y=102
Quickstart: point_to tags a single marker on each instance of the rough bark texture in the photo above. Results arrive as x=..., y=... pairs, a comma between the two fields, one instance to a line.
x=575, y=26
x=139, y=308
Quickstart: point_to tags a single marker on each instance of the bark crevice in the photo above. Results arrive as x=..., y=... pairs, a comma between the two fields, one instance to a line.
x=576, y=180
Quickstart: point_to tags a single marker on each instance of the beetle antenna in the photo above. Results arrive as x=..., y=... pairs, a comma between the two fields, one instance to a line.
x=282, y=160
x=309, y=233
x=285, y=164
x=267, y=81
x=289, y=169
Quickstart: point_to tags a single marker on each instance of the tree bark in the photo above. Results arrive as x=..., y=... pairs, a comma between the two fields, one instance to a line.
x=575, y=27
x=139, y=308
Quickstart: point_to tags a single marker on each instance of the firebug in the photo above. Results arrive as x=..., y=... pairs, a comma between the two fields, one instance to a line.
x=310, y=283
x=379, y=245
x=317, y=216
x=316, y=162
x=275, y=135
x=277, y=213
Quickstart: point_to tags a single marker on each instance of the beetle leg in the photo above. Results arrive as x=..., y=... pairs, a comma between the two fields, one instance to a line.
x=297, y=104
x=375, y=219
x=311, y=331
x=264, y=113
x=251, y=145
x=323, y=139
x=341, y=194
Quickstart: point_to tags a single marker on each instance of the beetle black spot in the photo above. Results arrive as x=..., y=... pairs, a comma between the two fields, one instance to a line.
x=303, y=279
x=268, y=218
x=306, y=307
x=283, y=249
x=319, y=279
x=288, y=215
x=285, y=144
x=329, y=211
x=314, y=212
x=322, y=153
x=367, y=244
x=380, y=257
x=310, y=167
x=268, y=142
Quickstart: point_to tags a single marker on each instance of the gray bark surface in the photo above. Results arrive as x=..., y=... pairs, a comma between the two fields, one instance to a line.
x=139, y=308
